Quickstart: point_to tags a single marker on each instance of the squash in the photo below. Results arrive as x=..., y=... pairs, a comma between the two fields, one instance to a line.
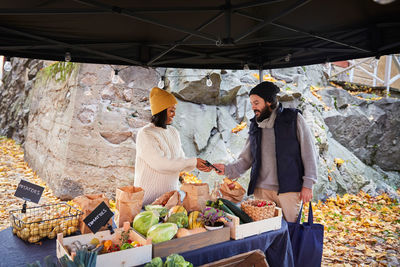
x=176, y=209
x=195, y=220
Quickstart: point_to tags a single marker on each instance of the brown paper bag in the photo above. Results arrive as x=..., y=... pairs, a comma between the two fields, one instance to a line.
x=87, y=204
x=168, y=200
x=196, y=196
x=129, y=200
x=232, y=190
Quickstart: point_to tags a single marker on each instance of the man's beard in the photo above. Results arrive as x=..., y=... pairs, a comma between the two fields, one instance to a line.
x=264, y=114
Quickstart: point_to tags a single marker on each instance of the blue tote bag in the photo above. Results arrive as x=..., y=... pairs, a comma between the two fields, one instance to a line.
x=307, y=241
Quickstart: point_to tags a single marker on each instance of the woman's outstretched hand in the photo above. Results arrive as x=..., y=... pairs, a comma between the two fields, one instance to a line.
x=201, y=165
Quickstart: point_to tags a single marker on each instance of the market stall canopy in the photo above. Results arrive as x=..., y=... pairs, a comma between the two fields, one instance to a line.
x=208, y=34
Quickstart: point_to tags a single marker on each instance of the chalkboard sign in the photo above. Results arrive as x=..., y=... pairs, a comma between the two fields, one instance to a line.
x=28, y=191
x=99, y=217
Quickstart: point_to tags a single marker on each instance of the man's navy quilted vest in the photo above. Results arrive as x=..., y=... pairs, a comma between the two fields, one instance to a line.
x=288, y=155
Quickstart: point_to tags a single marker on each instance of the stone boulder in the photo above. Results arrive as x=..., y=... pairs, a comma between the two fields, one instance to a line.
x=369, y=128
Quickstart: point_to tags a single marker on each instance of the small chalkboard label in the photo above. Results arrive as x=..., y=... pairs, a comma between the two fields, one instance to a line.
x=99, y=217
x=28, y=191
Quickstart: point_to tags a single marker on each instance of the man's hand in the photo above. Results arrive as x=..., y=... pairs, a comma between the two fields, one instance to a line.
x=201, y=165
x=221, y=167
x=306, y=194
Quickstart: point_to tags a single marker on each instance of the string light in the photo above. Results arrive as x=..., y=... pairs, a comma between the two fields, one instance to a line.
x=161, y=83
x=7, y=65
x=287, y=58
x=67, y=57
x=208, y=82
x=115, y=78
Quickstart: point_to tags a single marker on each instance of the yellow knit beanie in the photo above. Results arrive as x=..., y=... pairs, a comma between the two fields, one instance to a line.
x=160, y=100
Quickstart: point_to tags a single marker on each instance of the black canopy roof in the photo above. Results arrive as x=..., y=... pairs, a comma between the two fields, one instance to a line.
x=199, y=34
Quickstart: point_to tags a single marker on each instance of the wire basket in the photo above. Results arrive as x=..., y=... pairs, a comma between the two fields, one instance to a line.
x=45, y=221
x=252, y=207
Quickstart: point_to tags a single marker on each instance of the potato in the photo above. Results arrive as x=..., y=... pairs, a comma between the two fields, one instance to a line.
x=14, y=231
x=34, y=239
x=25, y=233
x=57, y=229
x=51, y=235
x=33, y=225
x=75, y=222
x=43, y=233
x=34, y=231
x=71, y=230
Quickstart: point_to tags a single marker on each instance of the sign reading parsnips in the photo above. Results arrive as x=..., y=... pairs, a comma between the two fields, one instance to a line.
x=98, y=217
x=29, y=192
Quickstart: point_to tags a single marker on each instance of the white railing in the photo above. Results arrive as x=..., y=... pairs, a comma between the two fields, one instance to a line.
x=387, y=81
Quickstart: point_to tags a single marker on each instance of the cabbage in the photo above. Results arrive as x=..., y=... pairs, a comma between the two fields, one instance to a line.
x=162, y=232
x=159, y=208
x=156, y=262
x=144, y=220
x=180, y=219
x=175, y=260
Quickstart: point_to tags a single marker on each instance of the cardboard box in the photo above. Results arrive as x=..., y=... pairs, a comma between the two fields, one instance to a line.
x=127, y=257
x=240, y=231
x=255, y=258
x=191, y=242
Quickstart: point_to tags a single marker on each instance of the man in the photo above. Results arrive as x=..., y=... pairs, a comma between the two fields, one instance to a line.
x=280, y=150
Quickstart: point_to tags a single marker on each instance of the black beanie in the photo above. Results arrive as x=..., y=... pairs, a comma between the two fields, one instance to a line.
x=266, y=90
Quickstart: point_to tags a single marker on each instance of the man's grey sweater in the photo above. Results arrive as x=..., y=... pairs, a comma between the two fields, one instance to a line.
x=268, y=177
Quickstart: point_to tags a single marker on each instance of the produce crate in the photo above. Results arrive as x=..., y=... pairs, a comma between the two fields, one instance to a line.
x=191, y=242
x=255, y=258
x=45, y=221
x=127, y=257
x=240, y=231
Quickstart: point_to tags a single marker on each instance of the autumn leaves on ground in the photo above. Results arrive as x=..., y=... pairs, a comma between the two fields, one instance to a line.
x=359, y=229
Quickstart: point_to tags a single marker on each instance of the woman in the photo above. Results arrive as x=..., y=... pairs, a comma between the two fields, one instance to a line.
x=159, y=154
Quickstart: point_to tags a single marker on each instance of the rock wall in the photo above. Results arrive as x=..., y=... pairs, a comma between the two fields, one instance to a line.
x=82, y=127
x=15, y=98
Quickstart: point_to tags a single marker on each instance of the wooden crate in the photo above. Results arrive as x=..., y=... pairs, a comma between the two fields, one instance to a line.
x=191, y=242
x=240, y=231
x=255, y=258
x=127, y=257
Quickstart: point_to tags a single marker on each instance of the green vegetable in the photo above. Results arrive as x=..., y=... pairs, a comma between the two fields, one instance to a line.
x=144, y=220
x=162, y=232
x=156, y=262
x=126, y=246
x=159, y=208
x=175, y=260
x=180, y=219
x=237, y=211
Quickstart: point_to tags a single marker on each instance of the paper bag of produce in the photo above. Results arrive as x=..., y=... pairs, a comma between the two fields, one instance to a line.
x=128, y=203
x=168, y=200
x=87, y=203
x=232, y=190
x=196, y=196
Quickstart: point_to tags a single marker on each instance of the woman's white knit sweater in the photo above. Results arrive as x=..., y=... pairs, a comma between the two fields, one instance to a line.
x=159, y=160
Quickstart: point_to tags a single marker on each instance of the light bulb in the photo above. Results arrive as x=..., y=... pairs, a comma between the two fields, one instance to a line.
x=161, y=83
x=287, y=58
x=7, y=66
x=246, y=67
x=209, y=82
x=115, y=78
x=67, y=57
